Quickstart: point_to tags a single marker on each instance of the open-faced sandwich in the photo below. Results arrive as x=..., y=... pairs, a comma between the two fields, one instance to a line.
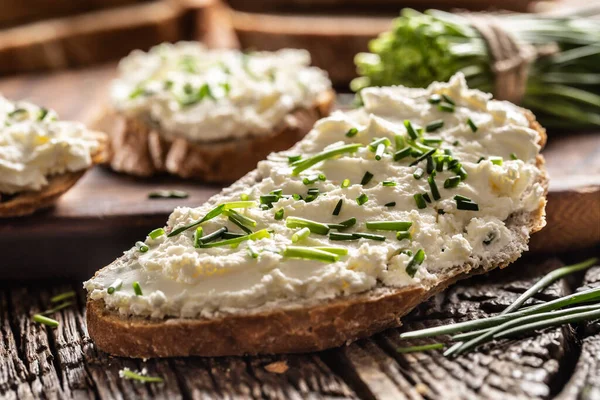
x=210, y=114
x=41, y=157
x=337, y=238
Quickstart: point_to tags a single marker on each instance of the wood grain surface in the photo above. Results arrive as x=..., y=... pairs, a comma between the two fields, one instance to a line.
x=106, y=212
x=561, y=363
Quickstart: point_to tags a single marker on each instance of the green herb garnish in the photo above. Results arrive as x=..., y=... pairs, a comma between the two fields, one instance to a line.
x=41, y=319
x=420, y=200
x=324, y=155
x=388, y=225
x=141, y=246
x=137, y=288
x=116, y=285
x=315, y=227
x=300, y=235
x=472, y=125
x=338, y=207
x=156, y=233
x=310, y=253
x=415, y=262
x=362, y=199
x=366, y=178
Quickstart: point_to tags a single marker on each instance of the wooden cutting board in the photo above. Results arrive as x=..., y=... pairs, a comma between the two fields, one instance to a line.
x=106, y=212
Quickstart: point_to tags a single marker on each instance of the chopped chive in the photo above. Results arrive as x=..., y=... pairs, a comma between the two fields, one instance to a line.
x=232, y=235
x=338, y=207
x=296, y=196
x=39, y=318
x=268, y=199
x=239, y=204
x=276, y=192
x=434, y=126
x=472, y=125
x=324, y=155
x=137, y=288
x=496, y=160
x=410, y=129
x=42, y=113
x=343, y=225
x=431, y=141
x=400, y=154
x=480, y=159
x=261, y=234
x=293, y=159
x=362, y=199
x=116, y=285
x=158, y=232
x=279, y=214
x=399, y=141
x=198, y=236
x=390, y=204
x=418, y=174
x=239, y=224
x=452, y=182
x=375, y=143
x=420, y=200
x=388, y=225
x=342, y=236
x=423, y=157
x=448, y=152
x=244, y=197
x=388, y=183
x=547, y=280
x=141, y=246
x=435, y=99
x=351, y=132
x=211, y=236
x=429, y=167
x=462, y=172
x=56, y=309
x=415, y=262
x=456, y=143
x=310, y=253
x=448, y=99
x=371, y=236
x=300, y=235
x=63, y=296
x=416, y=349
x=210, y=215
x=439, y=163
x=433, y=186
x=366, y=178
x=461, y=198
x=415, y=153
x=445, y=107
x=252, y=250
x=126, y=373
x=315, y=227
x=241, y=218
x=322, y=177
x=466, y=205
x=309, y=180
x=340, y=251
x=345, y=183
x=379, y=152
x=513, y=156
x=401, y=235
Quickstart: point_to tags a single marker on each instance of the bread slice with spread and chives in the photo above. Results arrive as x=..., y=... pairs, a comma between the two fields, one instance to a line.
x=207, y=114
x=41, y=157
x=337, y=238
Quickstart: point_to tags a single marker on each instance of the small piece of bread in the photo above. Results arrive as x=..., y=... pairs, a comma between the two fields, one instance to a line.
x=137, y=148
x=28, y=202
x=308, y=325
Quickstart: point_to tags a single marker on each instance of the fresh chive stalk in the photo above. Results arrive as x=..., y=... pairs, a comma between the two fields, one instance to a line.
x=415, y=262
x=547, y=280
x=452, y=182
x=423, y=157
x=218, y=210
x=418, y=174
x=211, y=236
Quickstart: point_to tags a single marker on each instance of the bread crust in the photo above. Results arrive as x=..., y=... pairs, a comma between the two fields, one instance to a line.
x=137, y=148
x=28, y=202
x=304, y=327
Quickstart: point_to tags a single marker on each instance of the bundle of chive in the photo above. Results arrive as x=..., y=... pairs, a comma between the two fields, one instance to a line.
x=514, y=321
x=563, y=88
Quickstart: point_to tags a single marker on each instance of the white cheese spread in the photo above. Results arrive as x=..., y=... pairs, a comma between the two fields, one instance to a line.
x=34, y=145
x=491, y=162
x=211, y=95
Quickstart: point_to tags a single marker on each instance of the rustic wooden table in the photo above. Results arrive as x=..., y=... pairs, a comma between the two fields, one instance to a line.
x=106, y=212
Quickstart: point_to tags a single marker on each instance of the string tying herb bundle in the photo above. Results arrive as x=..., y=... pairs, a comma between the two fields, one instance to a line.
x=547, y=64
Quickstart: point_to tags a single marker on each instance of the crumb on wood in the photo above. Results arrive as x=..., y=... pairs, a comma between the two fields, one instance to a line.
x=277, y=367
x=421, y=388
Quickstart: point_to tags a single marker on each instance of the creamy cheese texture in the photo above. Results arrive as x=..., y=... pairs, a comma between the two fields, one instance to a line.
x=211, y=95
x=178, y=279
x=34, y=145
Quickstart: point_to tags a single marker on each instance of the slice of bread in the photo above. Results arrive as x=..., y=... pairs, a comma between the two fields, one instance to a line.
x=137, y=147
x=28, y=202
x=296, y=326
